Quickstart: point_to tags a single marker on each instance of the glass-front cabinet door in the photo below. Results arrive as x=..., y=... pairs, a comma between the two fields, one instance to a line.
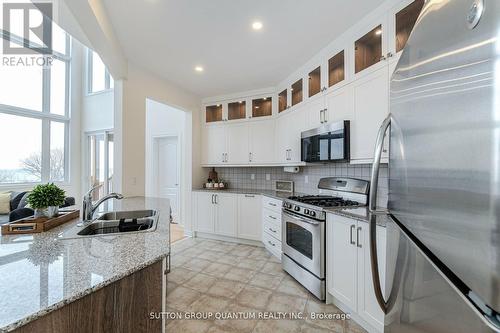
x=296, y=92
x=282, y=101
x=213, y=113
x=237, y=110
x=368, y=49
x=262, y=107
x=336, y=69
x=314, y=78
x=404, y=21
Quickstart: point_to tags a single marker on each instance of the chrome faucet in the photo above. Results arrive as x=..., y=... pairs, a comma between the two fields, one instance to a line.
x=88, y=208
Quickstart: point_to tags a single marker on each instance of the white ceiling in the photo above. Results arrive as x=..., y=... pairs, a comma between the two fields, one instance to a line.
x=171, y=37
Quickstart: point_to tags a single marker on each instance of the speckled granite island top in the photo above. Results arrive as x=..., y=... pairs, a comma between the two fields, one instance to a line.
x=40, y=273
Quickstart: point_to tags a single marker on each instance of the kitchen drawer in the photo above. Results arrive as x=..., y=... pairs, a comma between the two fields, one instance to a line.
x=271, y=216
x=272, y=204
x=271, y=244
x=272, y=229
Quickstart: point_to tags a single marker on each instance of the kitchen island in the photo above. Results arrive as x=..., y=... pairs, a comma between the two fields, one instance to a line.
x=99, y=283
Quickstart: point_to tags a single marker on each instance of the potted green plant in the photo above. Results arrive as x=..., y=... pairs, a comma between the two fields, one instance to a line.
x=45, y=199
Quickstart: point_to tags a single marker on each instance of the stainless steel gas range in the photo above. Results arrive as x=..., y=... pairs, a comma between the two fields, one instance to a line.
x=303, y=229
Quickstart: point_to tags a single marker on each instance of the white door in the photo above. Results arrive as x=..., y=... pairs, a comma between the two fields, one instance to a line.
x=168, y=172
x=238, y=151
x=214, y=139
x=340, y=104
x=249, y=216
x=204, y=207
x=371, y=106
x=226, y=214
x=341, y=258
x=262, y=135
x=368, y=307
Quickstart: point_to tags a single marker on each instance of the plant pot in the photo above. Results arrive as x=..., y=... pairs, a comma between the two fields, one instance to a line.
x=52, y=211
x=41, y=212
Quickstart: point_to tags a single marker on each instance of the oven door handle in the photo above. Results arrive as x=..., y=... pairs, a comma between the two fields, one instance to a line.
x=301, y=218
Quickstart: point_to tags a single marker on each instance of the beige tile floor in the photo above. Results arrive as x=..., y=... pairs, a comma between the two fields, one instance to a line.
x=220, y=279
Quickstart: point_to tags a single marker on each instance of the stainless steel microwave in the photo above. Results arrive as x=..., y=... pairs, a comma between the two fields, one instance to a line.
x=328, y=143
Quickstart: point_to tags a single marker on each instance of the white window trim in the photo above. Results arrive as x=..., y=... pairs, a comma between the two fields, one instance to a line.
x=106, y=133
x=45, y=116
x=107, y=77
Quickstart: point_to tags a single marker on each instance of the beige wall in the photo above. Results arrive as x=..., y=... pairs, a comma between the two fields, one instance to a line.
x=139, y=86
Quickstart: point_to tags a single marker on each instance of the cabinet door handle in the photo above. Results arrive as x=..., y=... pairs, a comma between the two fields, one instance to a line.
x=325, y=116
x=357, y=237
x=271, y=243
x=272, y=230
x=382, y=58
x=272, y=204
x=350, y=235
x=212, y=199
x=249, y=196
x=272, y=217
x=389, y=55
x=216, y=197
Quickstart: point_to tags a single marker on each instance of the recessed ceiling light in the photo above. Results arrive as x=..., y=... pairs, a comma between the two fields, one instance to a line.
x=378, y=32
x=198, y=69
x=257, y=25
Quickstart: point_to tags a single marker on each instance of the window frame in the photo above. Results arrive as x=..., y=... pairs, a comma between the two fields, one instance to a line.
x=107, y=76
x=45, y=115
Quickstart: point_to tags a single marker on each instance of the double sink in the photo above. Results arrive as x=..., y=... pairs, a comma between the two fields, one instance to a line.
x=119, y=222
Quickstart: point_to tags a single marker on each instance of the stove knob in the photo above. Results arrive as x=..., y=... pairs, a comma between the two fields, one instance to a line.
x=296, y=208
x=312, y=213
x=306, y=211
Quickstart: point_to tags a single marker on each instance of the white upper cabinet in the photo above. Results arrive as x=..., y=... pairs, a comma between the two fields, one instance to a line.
x=237, y=143
x=339, y=105
x=214, y=144
x=316, y=112
x=262, y=141
x=288, y=129
x=371, y=107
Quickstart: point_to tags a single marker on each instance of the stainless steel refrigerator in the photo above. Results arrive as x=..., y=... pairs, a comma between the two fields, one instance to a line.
x=443, y=235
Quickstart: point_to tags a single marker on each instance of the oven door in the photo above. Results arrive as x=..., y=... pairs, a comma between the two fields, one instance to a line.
x=304, y=242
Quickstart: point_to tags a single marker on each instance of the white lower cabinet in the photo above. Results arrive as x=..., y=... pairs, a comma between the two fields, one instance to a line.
x=226, y=214
x=249, y=216
x=216, y=213
x=349, y=278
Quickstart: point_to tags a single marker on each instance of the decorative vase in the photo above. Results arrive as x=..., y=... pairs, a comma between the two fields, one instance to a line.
x=52, y=211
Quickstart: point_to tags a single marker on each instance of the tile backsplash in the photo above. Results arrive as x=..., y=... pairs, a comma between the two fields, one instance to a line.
x=306, y=180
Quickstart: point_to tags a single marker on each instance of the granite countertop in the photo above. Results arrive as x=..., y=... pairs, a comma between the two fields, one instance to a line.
x=41, y=273
x=360, y=214
x=268, y=193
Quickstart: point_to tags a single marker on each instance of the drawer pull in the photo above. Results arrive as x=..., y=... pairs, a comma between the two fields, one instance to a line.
x=272, y=217
x=272, y=204
x=271, y=243
x=272, y=230
x=249, y=196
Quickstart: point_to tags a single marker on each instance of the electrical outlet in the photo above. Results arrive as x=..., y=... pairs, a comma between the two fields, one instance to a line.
x=306, y=179
x=252, y=176
x=268, y=176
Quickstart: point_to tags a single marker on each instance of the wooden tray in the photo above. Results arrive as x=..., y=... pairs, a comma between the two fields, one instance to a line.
x=31, y=225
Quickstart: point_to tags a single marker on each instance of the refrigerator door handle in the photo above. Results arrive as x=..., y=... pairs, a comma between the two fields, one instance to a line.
x=379, y=146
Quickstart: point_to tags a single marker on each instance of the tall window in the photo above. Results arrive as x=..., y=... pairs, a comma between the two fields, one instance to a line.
x=34, y=115
x=100, y=167
x=98, y=77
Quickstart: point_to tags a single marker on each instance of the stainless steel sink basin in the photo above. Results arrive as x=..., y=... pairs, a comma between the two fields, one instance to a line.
x=114, y=227
x=131, y=214
x=119, y=222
